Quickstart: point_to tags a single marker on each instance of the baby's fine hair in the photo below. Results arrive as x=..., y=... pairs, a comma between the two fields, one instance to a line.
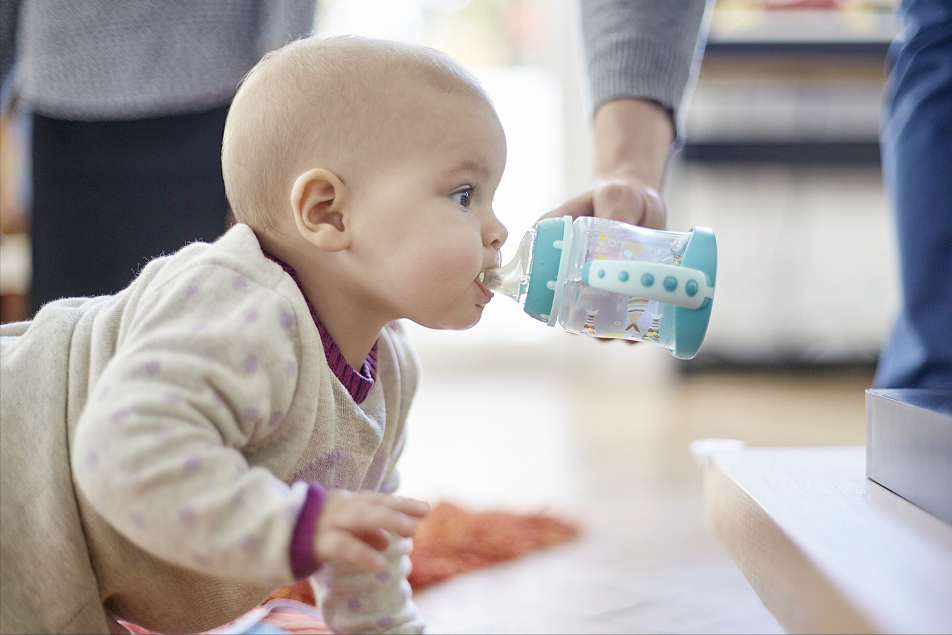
x=318, y=102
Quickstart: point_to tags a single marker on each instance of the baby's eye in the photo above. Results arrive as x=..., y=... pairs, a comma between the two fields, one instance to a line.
x=464, y=197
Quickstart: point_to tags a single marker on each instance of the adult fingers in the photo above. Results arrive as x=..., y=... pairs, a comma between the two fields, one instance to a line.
x=580, y=205
x=628, y=202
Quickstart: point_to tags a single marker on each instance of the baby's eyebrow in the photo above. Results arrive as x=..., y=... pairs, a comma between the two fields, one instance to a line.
x=468, y=165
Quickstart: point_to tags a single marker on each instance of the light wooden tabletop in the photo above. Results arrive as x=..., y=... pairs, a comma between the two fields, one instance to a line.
x=826, y=549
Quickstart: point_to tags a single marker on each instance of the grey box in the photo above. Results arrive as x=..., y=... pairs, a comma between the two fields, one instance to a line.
x=909, y=446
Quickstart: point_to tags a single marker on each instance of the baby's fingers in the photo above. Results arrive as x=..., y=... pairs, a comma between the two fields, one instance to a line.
x=377, y=538
x=362, y=519
x=409, y=506
x=341, y=545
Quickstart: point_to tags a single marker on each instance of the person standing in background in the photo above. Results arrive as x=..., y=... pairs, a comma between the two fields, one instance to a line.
x=129, y=102
x=643, y=59
x=916, y=143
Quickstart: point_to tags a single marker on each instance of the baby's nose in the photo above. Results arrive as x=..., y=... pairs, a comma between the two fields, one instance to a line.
x=496, y=233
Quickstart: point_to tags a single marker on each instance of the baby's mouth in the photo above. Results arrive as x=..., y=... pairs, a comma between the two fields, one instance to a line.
x=481, y=278
x=482, y=287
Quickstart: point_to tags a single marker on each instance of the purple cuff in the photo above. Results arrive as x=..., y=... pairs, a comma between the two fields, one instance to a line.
x=303, y=561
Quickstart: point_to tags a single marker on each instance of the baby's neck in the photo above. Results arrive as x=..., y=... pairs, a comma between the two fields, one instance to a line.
x=354, y=335
x=348, y=322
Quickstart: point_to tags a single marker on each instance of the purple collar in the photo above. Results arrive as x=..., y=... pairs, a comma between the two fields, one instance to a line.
x=357, y=383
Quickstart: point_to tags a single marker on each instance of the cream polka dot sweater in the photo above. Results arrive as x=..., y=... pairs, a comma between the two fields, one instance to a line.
x=166, y=451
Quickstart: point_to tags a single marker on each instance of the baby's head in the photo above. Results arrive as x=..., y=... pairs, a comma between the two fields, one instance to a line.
x=383, y=156
x=340, y=103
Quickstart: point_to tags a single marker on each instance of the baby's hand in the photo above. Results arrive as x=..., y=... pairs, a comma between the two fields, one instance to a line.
x=353, y=526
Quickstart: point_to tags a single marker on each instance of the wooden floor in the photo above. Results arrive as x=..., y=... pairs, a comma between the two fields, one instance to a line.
x=609, y=449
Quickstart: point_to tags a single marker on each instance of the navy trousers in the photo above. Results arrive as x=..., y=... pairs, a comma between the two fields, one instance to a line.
x=916, y=143
x=110, y=195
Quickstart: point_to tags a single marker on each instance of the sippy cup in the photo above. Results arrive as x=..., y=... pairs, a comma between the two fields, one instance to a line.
x=609, y=279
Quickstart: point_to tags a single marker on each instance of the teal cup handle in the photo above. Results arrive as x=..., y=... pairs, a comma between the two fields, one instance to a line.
x=679, y=286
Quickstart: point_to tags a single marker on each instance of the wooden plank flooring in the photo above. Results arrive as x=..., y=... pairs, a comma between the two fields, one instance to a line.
x=611, y=451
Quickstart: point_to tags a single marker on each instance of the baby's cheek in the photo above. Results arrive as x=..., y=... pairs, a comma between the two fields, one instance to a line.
x=447, y=285
x=454, y=266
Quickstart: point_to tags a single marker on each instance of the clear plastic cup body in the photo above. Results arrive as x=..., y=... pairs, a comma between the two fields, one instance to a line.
x=596, y=312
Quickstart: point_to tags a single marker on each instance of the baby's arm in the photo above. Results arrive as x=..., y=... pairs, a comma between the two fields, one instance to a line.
x=207, y=366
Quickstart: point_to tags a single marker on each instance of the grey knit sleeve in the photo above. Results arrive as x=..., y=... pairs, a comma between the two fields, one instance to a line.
x=9, y=14
x=283, y=22
x=645, y=49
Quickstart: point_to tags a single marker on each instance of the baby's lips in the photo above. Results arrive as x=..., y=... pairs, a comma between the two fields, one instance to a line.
x=482, y=287
x=495, y=265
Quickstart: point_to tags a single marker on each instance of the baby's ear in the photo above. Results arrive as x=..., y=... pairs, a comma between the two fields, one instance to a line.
x=318, y=199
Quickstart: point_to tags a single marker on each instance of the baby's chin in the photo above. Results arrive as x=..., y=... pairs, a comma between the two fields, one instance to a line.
x=458, y=323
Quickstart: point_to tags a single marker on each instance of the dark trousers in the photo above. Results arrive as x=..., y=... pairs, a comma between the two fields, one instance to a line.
x=917, y=168
x=110, y=195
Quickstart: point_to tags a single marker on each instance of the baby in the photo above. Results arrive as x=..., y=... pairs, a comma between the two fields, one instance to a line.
x=230, y=422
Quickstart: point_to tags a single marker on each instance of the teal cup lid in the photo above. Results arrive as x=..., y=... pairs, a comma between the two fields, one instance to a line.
x=690, y=325
x=546, y=258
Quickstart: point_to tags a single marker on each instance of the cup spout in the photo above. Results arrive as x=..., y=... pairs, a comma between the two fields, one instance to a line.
x=512, y=279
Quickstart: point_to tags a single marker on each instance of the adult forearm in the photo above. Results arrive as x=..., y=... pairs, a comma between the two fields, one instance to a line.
x=632, y=140
x=645, y=49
